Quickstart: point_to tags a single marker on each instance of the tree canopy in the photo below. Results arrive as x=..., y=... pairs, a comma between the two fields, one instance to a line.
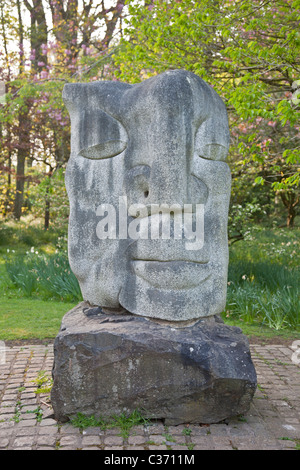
x=248, y=50
x=45, y=44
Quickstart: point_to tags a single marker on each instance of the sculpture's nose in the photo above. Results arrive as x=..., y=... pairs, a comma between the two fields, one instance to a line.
x=137, y=184
x=167, y=179
x=148, y=185
x=161, y=125
x=170, y=187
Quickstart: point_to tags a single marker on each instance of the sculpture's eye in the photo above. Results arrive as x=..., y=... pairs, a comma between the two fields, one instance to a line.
x=212, y=140
x=100, y=135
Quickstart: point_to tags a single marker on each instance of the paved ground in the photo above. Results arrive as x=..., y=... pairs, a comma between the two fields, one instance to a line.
x=26, y=419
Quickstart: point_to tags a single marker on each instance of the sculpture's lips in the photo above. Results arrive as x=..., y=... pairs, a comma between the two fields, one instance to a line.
x=172, y=274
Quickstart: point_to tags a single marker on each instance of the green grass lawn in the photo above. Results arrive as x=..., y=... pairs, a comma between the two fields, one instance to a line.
x=22, y=318
x=37, y=288
x=264, y=334
x=25, y=319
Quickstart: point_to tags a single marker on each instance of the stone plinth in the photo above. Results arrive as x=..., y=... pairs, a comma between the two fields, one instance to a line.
x=109, y=363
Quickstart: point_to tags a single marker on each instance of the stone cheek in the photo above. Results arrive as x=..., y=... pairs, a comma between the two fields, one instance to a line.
x=163, y=141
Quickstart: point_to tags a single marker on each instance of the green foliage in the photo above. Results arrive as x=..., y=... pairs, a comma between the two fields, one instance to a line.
x=253, y=301
x=23, y=236
x=22, y=276
x=51, y=189
x=48, y=276
x=34, y=66
x=38, y=414
x=272, y=246
x=249, y=52
x=36, y=263
x=82, y=421
x=240, y=219
x=186, y=431
x=263, y=284
x=264, y=280
x=43, y=382
x=125, y=422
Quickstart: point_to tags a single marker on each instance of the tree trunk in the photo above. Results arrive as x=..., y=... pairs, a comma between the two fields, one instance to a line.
x=290, y=201
x=38, y=35
x=65, y=25
x=47, y=213
x=22, y=151
x=20, y=179
x=47, y=205
x=291, y=217
x=8, y=196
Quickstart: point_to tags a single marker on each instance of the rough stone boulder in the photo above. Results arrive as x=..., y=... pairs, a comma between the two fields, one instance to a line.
x=112, y=362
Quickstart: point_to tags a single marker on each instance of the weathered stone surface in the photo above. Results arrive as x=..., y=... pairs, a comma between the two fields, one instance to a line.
x=159, y=143
x=111, y=362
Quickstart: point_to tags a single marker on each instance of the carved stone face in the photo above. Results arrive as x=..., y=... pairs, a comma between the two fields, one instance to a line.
x=137, y=149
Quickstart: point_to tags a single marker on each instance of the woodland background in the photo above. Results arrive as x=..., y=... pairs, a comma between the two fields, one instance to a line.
x=248, y=50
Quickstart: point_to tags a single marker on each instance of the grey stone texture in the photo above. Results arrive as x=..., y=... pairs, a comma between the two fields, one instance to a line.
x=113, y=363
x=145, y=158
x=160, y=142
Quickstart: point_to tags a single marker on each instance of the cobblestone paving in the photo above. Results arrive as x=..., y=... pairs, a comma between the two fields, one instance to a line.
x=26, y=417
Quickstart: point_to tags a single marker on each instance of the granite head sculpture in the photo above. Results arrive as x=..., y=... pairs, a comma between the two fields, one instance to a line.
x=149, y=191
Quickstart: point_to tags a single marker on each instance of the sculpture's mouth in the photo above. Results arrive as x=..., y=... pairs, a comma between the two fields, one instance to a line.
x=172, y=274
